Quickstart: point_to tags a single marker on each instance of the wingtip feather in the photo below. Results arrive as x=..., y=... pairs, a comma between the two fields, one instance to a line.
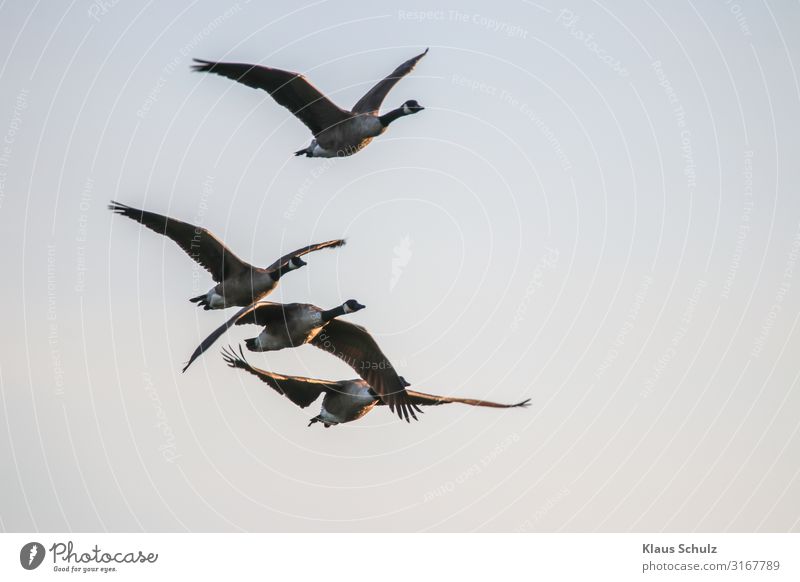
x=117, y=207
x=202, y=66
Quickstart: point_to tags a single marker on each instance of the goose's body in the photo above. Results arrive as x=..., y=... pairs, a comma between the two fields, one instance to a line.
x=345, y=138
x=344, y=400
x=244, y=289
x=337, y=132
x=349, y=400
x=285, y=325
x=294, y=324
x=238, y=283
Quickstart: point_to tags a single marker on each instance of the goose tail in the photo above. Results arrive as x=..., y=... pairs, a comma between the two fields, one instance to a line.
x=201, y=301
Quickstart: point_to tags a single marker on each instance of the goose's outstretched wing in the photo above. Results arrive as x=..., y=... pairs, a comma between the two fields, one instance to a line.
x=200, y=244
x=356, y=347
x=280, y=263
x=302, y=391
x=261, y=313
x=371, y=102
x=422, y=399
x=291, y=90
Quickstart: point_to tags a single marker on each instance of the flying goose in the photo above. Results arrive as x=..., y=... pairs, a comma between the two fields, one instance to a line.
x=239, y=283
x=288, y=325
x=337, y=132
x=344, y=400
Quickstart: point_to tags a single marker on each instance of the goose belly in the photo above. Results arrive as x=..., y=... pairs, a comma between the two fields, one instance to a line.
x=215, y=300
x=348, y=138
x=348, y=405
x=246, y=290
x=340, y=149
x=268, y=342
x=320, y=152
x=299, y=328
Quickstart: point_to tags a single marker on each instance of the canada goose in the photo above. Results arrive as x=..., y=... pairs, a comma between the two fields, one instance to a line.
x=239, y=283
x=344, y=400
x=337, y=132
x=294, y=324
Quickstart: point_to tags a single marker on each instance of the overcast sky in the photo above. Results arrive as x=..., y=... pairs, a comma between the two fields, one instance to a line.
x=597, y=210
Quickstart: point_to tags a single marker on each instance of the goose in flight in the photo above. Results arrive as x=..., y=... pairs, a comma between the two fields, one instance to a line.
x=238, y=283
x=337, y=132
x=344, y=400
x=288, y=325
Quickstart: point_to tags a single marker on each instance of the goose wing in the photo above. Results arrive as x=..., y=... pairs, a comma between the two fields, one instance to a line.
x=371, y=102
x=262, y=313
x=353, y=344
x=280, y=263
x=302, y=391
x=200, y=244
x=292, y=90
x=422, y=399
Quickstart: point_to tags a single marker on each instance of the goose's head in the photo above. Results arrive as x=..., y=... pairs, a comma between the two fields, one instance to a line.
x=351, y=306
x=411, y=106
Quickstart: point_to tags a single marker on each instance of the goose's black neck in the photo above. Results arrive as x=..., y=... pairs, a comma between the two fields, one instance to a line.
x=390, y=116
x=330, y=314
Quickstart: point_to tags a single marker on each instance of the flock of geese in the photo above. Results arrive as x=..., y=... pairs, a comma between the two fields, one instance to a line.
x=336, y=133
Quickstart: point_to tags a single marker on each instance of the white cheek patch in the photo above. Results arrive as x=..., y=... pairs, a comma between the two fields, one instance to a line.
x=406, y=109
x=347, y=308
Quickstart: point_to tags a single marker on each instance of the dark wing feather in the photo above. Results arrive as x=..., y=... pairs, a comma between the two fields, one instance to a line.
x=291, y=90
x=258, y=313
x=302, y=391
x=280, y=263
x=264, y=313
x=371, y=102
x=355, y=346
x=423, y=399
x=200, y=244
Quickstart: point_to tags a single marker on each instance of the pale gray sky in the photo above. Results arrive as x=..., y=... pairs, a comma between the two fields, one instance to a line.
x=597, y=210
